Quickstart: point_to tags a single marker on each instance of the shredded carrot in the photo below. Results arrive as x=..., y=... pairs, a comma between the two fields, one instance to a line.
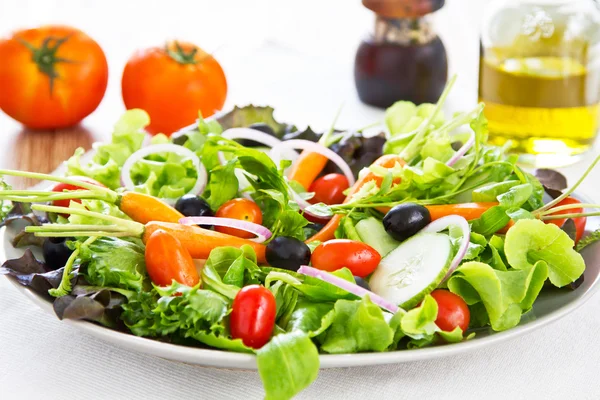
x=328, y=231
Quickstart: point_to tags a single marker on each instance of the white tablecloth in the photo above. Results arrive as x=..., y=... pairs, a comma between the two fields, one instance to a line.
x=302, y=65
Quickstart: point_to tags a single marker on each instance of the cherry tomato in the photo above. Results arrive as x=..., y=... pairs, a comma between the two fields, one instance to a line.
x=168, y=260
x=452, y=311
x=358, y=257
x=172, y=83
x=252, y=316
x=579, y=222
x=51, y=76
x=67, y=187
x=243, y=209
x=329, y=189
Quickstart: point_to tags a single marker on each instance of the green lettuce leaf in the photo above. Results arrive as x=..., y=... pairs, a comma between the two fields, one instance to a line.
x=114, y=263
x=357, y=326
x=287, y=365
x=105, y=166
x=176, y=309
x=531, y=241
x=506, y=295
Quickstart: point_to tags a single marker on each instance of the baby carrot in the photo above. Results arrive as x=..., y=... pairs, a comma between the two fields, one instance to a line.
x=144, y=208
x=307, y=167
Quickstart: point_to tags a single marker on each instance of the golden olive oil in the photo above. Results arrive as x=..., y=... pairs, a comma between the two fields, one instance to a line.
x=546, y=106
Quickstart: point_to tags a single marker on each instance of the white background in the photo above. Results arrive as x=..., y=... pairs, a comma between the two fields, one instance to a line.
x=298, y=57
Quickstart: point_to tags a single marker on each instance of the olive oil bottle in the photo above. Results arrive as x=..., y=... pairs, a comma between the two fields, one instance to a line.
x=541, y=86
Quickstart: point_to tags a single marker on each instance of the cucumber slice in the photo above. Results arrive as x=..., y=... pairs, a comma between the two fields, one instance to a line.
x=372, y=232
x=413, y=270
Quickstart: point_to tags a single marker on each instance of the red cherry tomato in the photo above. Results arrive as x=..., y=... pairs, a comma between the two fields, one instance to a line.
x=253, y=316
x=167, y=260
x=329, y=189
x=579, y=222
x=358, y=257
x=243, y=209
x=67, y=187
x=452, y=311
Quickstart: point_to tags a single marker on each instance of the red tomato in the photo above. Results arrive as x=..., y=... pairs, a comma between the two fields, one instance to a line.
x=168, y=260
x=243, y=209
x=358, y=257
x=67, y=187
x=579, y=222
x=172, y=83
x=51, y=76
x=452, y=311
x=329, y=189
x=253, y=316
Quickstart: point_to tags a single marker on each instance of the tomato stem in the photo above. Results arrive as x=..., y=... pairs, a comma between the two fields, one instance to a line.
x=179, y=54
x=45, y=56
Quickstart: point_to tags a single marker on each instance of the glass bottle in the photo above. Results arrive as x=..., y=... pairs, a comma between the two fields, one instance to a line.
x=540, y=77
x=403, y=59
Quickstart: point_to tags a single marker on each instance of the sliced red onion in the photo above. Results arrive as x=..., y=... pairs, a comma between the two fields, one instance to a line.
x=317, y=148
x=442, y=224
x=462, y=151
x=128, y=183
x=260, y=231
x=303, y=205
x=350, y=288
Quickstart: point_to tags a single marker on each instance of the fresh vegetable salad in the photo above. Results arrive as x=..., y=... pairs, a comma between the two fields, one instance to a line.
x=244, y=234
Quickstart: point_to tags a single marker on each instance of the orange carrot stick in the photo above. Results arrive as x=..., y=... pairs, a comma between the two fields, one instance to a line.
x=144, y=208
x=328, y=231
x=307, y=167
x=200, y=242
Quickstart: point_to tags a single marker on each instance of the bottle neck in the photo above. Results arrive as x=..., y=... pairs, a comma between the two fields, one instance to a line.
x=404, y=31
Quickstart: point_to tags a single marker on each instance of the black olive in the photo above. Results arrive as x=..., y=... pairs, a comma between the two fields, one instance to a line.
x=191, y=205
x=259, y=126
x=56, y=253
x=362, y=283
x=405, y=220
x=287, y=253
x=456, y=146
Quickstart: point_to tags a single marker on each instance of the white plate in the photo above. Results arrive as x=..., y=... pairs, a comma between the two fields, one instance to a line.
x=551, y=305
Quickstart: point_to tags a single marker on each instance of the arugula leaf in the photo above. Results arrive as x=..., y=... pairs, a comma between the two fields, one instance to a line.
x=530, y=241
x=357, y=325
x=287, y=365
x=506, y=295
x=223, y=185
